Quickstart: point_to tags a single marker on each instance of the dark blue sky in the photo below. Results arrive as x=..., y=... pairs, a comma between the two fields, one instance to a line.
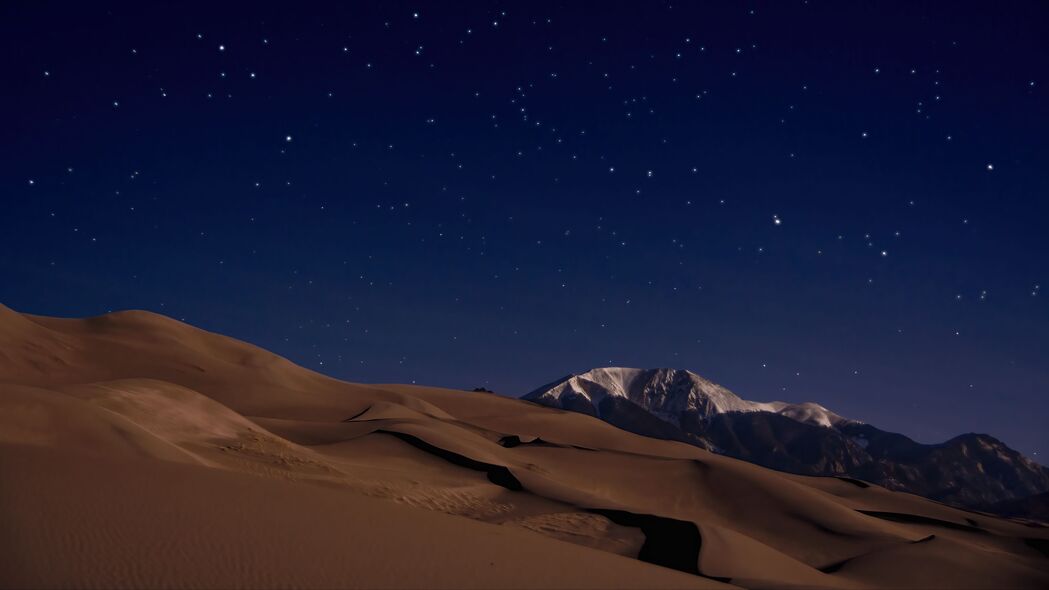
x=829, y=201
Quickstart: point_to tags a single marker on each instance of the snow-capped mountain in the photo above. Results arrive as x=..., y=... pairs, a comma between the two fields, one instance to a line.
x=971, y=470
x=668, y=394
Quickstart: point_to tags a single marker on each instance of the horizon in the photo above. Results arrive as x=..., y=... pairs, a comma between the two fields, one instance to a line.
x=846, y=210
x=518, y=395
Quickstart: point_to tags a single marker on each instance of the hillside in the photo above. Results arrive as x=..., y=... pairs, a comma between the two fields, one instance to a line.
x=142, y=452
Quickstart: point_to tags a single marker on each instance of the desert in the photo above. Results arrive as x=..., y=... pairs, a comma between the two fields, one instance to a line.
x=142, y=452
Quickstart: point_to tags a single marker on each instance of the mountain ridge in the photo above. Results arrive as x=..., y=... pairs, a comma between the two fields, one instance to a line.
x=971, y=470
x=126, y=434
x=666, y=392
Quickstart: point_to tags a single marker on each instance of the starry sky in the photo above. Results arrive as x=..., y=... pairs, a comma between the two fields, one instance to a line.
x=844, y=202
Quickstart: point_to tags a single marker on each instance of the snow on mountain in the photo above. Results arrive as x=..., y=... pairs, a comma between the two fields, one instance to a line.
x=971, y=470
x=667, y=394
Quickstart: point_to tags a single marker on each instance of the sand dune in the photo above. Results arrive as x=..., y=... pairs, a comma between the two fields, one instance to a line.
x=137, y=451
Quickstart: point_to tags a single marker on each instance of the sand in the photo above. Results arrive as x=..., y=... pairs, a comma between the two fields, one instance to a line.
x=140, y=452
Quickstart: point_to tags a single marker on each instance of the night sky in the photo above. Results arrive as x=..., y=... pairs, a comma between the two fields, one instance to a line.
x=830, y=201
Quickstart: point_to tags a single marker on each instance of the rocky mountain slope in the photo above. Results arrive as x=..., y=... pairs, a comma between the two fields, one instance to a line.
x=669, y=394
x=971, y=470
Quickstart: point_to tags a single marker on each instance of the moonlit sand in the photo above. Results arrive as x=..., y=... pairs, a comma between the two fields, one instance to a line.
x=140, y=452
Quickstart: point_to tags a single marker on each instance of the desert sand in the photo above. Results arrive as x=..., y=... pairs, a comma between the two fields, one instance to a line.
x=140, y=452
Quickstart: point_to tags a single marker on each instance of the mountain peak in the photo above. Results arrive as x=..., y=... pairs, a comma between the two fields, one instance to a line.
x=667, y=393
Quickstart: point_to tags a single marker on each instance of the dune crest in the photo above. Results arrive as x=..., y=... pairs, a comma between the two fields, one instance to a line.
x=142, y=452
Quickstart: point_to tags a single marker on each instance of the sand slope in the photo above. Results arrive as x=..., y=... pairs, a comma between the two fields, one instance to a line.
x=137, y=451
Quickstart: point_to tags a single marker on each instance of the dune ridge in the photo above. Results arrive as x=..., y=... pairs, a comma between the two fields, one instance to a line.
x=144, y=452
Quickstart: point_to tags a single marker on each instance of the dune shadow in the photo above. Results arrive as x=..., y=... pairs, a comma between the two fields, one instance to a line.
x=512, y=440
x=497, y=474
x=668, y=542
x=856, y=482
x=358, y=414
x=836, y=566
x=905, y=518
x=1039, y=545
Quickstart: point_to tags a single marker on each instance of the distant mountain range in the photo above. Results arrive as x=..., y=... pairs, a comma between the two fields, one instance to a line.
x=971, y=470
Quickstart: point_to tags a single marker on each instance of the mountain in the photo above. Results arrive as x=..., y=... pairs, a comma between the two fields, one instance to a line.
x=1034, y=507
x=669, y=394
x=140, y=452
x=972, y=470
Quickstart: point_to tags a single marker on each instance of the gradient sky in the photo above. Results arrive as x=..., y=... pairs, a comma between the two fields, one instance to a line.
x=829, y=201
